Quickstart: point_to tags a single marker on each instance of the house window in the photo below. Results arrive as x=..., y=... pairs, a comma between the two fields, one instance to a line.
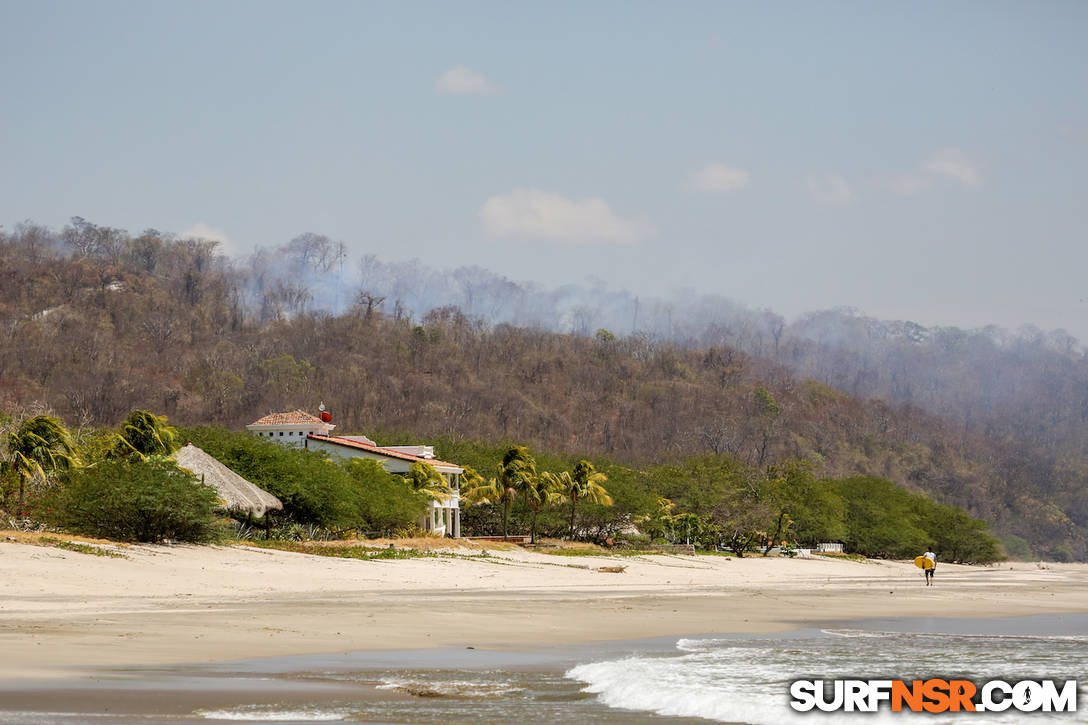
x=281, y=432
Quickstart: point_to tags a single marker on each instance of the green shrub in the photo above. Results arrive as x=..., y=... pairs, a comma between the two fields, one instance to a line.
x=134, y=501
x=9, y=487
x=885, y=520
x=388, y=501
x=957, y=536
x=881, y=519
x=1017, y=548
x=315, y=491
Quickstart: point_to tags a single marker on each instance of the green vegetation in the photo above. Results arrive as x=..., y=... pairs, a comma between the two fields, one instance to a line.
x=144, y=501
x=584, y=483
x=100, y=322
x=514, y=474
x=425, y=479
x=362, y=553
x=1017, y=548
x=145, y=434
x=719, y=503
x=78, y=547
x=841, y=555
x=359, y=495
x=39, y=447
x=131, y=492
x=538, y=493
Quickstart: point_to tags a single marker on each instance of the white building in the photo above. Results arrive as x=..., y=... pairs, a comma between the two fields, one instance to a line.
x=443, y=517
x=289, y=428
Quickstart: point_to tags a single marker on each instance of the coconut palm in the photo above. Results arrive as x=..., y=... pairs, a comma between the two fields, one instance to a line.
x=470, y=479
x=426, y=479
x=145, y=434
x=659, y=523
x=540, y=491
x=38, y=447
x=584, y=483
x=516, y=469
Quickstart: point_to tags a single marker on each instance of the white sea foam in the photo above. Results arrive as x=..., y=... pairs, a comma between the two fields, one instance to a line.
x=430, y=686
x=266, y=714
x=687, y=686
x=876, y=634
x=855, y=633
x=747, y=681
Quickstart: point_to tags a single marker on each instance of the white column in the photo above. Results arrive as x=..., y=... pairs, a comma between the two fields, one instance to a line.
x=431, y=519
x=457, y=523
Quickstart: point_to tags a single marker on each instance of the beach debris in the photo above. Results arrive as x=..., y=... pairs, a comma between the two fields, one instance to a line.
x=421, y=691
x=612, y=569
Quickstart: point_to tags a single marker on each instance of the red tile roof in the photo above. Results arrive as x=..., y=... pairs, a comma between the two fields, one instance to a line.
x=336, y=440
x=295, y=417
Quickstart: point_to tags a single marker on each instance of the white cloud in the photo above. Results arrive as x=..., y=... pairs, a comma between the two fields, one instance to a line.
x=718, y=177
x=830, y=189
x=950, y=163
x=200, y=230
x=953, y=164
x=540, y=215
x=462, y=81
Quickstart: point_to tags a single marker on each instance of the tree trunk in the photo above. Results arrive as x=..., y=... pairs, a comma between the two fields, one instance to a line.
x=505, y=520
x=573, y=508
x=22, y=495
x=532, y=527
x=777, y=533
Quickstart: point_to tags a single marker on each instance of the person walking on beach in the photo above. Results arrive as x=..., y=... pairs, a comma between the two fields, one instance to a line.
x=930, y=569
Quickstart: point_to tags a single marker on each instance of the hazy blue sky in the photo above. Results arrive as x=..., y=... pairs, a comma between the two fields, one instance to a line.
x=923, y=161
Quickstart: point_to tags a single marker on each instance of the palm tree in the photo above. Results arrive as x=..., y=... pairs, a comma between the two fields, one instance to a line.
x=585, y=483
x=516, y=468
x=145, y=434
x=38, y=447
x=540, y=491
x=426, y=479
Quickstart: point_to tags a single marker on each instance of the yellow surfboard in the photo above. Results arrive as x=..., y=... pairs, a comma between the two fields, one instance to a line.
x=923, y=562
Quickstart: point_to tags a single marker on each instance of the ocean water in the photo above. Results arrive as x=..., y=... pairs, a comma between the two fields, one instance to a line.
x=747, y=680
x=731, y=679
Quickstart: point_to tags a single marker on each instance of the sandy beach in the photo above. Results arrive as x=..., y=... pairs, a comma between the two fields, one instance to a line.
x=62, y=611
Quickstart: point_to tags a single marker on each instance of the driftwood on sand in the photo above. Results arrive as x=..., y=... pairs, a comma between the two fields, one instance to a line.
x=612, y=569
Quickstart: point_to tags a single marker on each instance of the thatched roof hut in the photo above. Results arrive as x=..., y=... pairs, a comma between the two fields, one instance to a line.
x=236, y=492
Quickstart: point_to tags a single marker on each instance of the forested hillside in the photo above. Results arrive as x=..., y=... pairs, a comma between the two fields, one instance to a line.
x=95, y=322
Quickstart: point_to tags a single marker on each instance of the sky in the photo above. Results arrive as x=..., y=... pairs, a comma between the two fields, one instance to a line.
x=924, y=161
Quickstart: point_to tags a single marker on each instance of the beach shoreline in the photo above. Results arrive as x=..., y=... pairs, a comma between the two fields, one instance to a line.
x=66, y=614
x=379, y=685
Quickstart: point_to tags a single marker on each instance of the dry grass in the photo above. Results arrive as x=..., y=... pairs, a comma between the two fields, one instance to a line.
x=565, y=544
x=420, y=543
x=35, y=537
x=68, y=542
